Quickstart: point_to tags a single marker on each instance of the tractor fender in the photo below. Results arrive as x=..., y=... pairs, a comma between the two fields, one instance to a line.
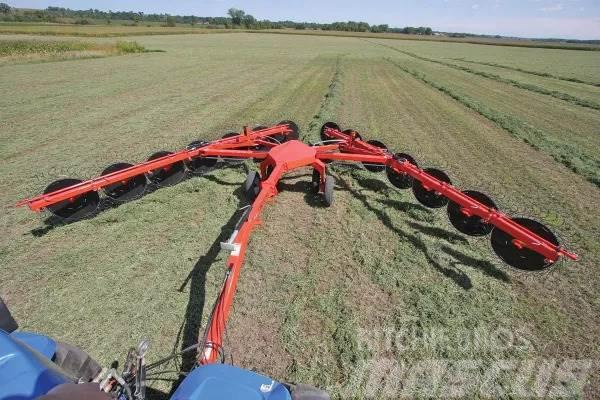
x=25, y=371
x=220, y=381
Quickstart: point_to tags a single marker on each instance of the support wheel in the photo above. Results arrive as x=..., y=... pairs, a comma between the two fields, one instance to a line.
x=252, y=186
x=315, y=186
x=328, y=191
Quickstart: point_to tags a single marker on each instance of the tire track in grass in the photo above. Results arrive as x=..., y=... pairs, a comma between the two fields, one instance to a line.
x=528, y=71
x=525, y=86
x=565, y=153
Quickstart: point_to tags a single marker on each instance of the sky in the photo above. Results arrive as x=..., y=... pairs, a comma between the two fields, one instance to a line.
x=573, y=19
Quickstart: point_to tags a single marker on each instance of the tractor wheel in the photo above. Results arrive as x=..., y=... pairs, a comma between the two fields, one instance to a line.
x=328, y=191
x=76, y=362
x=252, y=185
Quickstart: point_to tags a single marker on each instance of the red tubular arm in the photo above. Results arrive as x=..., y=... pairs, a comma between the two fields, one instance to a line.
x=357, y=150
x=524, y=236
x=239, y=242
x=223, y=147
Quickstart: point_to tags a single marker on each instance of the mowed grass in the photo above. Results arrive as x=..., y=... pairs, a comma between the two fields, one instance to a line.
x=314, y=276
x=579, y=65
x=564, y=130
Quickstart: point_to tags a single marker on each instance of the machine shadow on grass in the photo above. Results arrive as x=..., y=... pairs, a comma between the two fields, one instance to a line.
x=458, y=276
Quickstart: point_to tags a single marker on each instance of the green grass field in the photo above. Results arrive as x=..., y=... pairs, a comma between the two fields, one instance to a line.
x=315, y=277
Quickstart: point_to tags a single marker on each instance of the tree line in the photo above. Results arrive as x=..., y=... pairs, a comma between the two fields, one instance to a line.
x=236, y=18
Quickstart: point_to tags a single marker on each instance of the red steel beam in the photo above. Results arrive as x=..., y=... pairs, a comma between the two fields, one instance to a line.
x=222, y=147
x=523, y=236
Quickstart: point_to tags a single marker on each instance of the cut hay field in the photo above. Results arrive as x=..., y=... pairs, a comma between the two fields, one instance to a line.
x=316, y=280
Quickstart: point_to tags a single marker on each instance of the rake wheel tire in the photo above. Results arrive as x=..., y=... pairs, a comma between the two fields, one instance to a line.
x=522, y=259
x=401, y=181
x=429, y=198
x=371, y=167
x=333, y=125
x=166, y=176
x=200, y=165
x=471, y=225
x=75, y=209
x=131, y=189
x=294, y=135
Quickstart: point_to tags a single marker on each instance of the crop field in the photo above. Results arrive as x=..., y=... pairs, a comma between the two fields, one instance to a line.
x=17, y=49
x=520, y=124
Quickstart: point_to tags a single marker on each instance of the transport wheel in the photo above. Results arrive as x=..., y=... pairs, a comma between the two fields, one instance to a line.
x=429, y=198
x=371, y=167
x=72, y=209
x=315, y=184
x=252, y=185
x=294, y=135
x=200, y=165
x=332, y=125
x=471, y=225
x=127, y=189
x=400, y=180
x=328, y=191
x=522, y=259
x=167, y=176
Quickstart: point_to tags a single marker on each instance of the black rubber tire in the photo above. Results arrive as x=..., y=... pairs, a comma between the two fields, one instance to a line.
x=294, y=135
x=229, y=135
x=315, y=184
x=471, y=225
x=252, y=185
x=200, y=165
x=430, y=198
x=328, y=190
x=76, y=362
x=132, y=189
x=81, y=207
x=333, y=125
x=522, y=259
x=166, y=176
x=371, y=167
x=401, y=181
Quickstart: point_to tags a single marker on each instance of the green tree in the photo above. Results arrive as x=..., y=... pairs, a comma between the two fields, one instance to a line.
x=236, y=15
x=4, y=8
x=171, y=21
x=248, y=20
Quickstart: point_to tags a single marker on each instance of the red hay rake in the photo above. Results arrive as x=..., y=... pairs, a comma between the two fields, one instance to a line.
x=522, y=243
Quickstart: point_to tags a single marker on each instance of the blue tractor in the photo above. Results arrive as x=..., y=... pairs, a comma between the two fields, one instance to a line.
x=34, y=366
